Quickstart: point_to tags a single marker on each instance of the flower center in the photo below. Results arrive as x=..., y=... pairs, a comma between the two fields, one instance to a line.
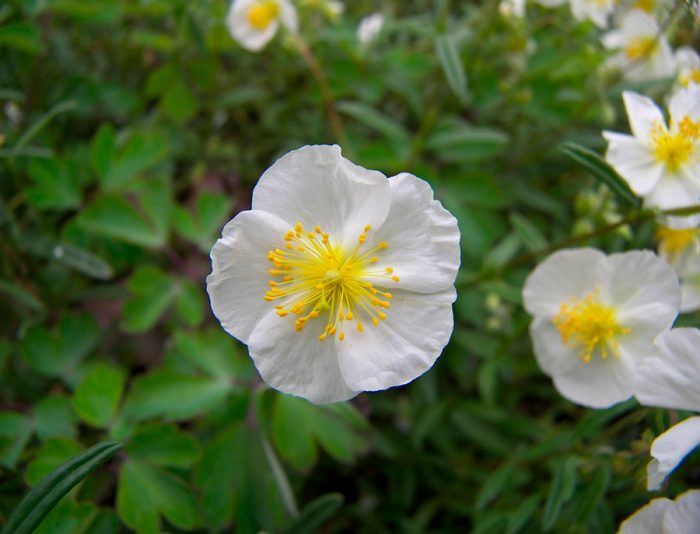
x=645, y=5
x=672, y=241
x=262, y=13
x=316, y=277
x=589, y=326
x=640, y=47
x=673, y=149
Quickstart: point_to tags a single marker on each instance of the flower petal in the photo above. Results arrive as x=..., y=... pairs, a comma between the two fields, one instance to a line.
x=298, y=363
x=238, y=281
x=553, y=356
x=648, y=519
x=240, y=29
x=423, y=238
x=564, y=275
x=669, y=450
x=399, y=349
x=677, y=190
x=690, y=300
x=669, y=377
x=315, y=185
x=288, y=15
x=642, y=113
x=684, y=516
x=634, y=161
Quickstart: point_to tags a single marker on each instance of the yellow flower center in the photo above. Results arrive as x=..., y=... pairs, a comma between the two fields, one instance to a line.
x=316, y=277
x=691, y=76
x=645, y=5
x=640, y=47
x=674, y=149
x=590, y=326
x=672, y=241
x=262, y=13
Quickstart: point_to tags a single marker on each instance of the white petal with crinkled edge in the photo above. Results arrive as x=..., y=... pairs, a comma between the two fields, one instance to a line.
x=684, y=516
x=691, y=296
x=238, y=281
x=644, y=290
x=240, y=29
x=669, y=450
x=669, y=377
x=423, y=238
x=298, y=363
x=634, y=161
x=564, y=275
x=399, y=349
x=642, y=114
x=648, y=519
x=315, y=185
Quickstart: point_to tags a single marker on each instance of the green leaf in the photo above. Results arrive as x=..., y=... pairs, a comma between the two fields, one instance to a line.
x=600, y=170
x=462, y=143
x=53, y=417
x=448, y=54
x=173, y=396
x=527, y=232
x=52, y=453
x=143, y=150
x=42, y=498
x=103, y=149
x=204, y=225
x=97, y=397
x=523, y=514
x=20, y=295
x=15, y=431
x=495, y=484
x=163, y=444
x=190, y=303
x=561, y=490
x=54, y=187
x=67, y=254
x=22, y=36
x=315, y=514
x=375, y=120
x=69, y=517
x=42, y=121
x=593, y=493
x=153, y=292
x=213, y=352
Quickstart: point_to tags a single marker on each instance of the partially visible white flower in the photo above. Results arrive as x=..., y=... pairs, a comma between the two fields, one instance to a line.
x=670, y=378
x=551, y=3
x=664, y=516
x=253, y=23
x=644, y=53
x=369, y=28
x=338, y=279
x=597, y=11
x=595, y=318
x=688, y=63
x=680, y=247
x=512, y=8
x=659, y=8
x=660, y=163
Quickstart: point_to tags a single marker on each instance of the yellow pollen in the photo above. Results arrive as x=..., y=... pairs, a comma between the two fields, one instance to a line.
x=590, y=326
x=693, y=76
x=320, y=278
x=640, y=48
x=672, y=241
x=673, y=149
x=262, y=13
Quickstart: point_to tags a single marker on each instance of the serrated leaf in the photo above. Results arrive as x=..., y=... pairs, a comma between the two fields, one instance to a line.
x=69, y=517
x=97, y=397
x=448, y=54
x=213, y=353
x=53, y=417
x=153, y=292
x=163, y=444
x=143, y=150
x=52, y=453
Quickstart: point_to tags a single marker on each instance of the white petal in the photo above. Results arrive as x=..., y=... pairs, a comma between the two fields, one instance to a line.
x=564, y=275
x=687, y=58
x=644, y=290
x=288, y=15
x=315, y=185
x=634, y=161
x=246, y=35
x=675, y=191
x=238, y=281
x=642, y=113
x=648, y=519
x=691, y=296
x=669, y=450
x=600, y=383
x=684, y=516
x=685, y=102
x=423, y=238
x=298, y=363
x=553, y=356
x=669, y=378
x=399, y=349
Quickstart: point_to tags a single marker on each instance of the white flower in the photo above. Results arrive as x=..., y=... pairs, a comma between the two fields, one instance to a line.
x=338, y=279
x=688, y=63
x=664, y=516
x=680, y=247
x=660, y=163
x=597, y=11
x=644, y=51
x=551, y=3
x=670, y=378
x=369, y=28
x=512, y=8
x=253, y=23
x=595, y=318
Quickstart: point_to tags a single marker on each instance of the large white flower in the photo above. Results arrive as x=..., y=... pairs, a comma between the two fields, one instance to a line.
x=688, y=63
x=664, y=516
x=253, y=23
x=595, y=318
x=597, y=11
x=670, y=378
x=644, y=53
x=339, y=279
x=660, y=163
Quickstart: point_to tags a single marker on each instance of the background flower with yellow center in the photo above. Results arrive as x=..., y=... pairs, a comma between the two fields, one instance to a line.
x=595, y=318
x=338, y=279
x=253, y=23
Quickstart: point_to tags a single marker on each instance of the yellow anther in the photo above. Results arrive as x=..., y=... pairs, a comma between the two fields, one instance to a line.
x=395, y=278
x=389, y=270
x=331, y=330
x=382, y=245
x=374, y=259
x=387, y=295
x=375, y=321
x=341, y=336
x=368, y=228
x=289, y=246
x=381, y=315
x=282, y=313
x=322, y=337
x=317, y=229
x=360, y=328
x=348, y=316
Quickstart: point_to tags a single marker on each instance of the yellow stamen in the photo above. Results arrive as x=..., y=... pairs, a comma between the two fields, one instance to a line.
x=640, y=48
x=262, y=13
x=672, y=241
x=673, y=149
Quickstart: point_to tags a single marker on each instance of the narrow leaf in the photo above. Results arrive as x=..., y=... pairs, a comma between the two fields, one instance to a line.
x=561, y=490
x=315, y=514
x=374, y=119
x=527, y=232
x=448, y=53
x=42, y=121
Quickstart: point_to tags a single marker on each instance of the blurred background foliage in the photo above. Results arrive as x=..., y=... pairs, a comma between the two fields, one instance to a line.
x=132, y=130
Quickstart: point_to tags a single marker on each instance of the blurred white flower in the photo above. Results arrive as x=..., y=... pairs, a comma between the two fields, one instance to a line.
x=369, y=28
x=338, y=279
x=551, y=3
x=253, y=23
x=595, y=318
x=597, y=11
x=644, y=53
x=512, y=8
x=670, y=378
x=660, y=163
x=680, y=247
x=664, y=516
x=688, y=63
